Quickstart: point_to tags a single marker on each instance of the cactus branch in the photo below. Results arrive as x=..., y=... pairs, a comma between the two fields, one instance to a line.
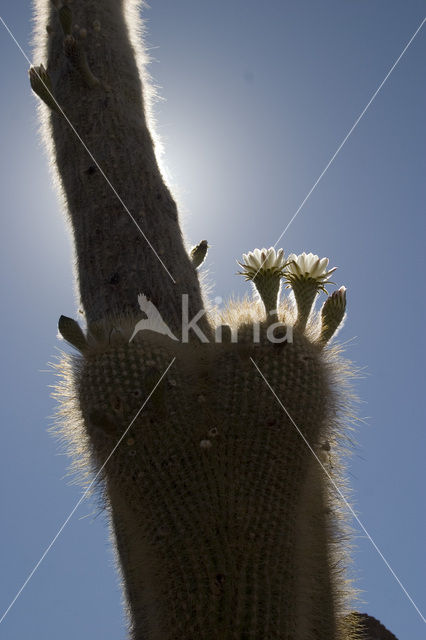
x=115, y=263
x=42, y=86
x=198, y=253
x=70, y=330
x=332, y=314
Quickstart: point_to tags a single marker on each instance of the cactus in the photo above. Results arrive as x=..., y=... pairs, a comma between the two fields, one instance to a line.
x=198, y=253
x=224, y=522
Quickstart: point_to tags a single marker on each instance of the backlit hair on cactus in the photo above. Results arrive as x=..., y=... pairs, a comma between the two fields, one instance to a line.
x=224, y=524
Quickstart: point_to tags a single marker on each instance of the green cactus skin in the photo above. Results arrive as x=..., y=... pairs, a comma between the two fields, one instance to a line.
x=223, y=526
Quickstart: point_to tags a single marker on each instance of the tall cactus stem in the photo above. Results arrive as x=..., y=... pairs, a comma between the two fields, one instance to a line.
x=221, y=522
x=126, y=231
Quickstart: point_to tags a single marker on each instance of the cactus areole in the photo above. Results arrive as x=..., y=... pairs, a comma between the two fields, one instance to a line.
x=215, y=458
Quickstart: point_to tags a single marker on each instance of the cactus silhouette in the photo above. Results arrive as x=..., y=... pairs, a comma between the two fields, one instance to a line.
x=225, y=524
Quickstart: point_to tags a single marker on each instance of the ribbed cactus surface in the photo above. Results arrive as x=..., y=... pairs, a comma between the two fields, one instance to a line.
x=124, y=220
x=222, y=520
x=222, y=517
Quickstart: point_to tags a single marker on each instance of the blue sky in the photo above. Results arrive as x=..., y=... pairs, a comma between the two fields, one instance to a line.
x=257, y=98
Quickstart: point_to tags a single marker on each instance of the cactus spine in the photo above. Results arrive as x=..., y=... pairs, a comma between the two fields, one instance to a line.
x=224, y=527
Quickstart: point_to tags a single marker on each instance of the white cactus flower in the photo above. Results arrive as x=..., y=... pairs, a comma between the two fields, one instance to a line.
x=265, y=268
x=306, y=274
x=261, y=261
x=308, y=265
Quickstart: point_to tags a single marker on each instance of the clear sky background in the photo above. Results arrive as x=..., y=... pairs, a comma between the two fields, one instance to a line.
x=257, y=98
